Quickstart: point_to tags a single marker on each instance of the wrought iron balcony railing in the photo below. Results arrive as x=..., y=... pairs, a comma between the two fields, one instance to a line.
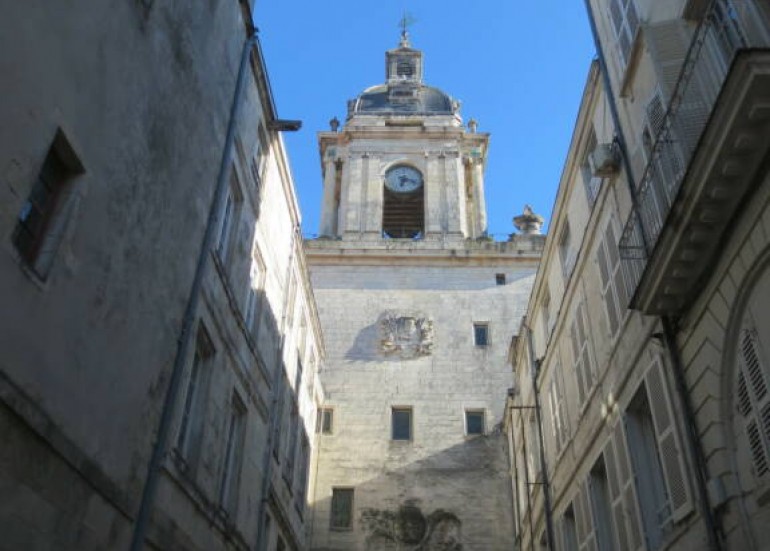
x=726, y=28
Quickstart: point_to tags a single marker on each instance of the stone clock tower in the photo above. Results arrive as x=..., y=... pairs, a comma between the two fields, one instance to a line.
x=418, y=307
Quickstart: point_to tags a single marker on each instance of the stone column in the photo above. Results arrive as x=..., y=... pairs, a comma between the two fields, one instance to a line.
x=433, y=198
x=373, y=208
x=329, y=208
x=352, y=190
x=455, y=198
x=478, y=196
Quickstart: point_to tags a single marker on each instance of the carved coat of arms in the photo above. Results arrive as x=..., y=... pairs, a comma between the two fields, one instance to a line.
x=407, y=336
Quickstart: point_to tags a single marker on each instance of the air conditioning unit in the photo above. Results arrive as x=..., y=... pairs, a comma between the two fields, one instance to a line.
x=604, y=160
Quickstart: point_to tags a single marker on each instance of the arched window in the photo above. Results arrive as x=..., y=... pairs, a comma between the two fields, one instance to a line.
x=403, y=212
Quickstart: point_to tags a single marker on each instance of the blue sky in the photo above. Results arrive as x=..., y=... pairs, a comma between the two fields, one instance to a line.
x=517, y=66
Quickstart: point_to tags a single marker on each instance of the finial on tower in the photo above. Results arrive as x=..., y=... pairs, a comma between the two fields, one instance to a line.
x=404, y=23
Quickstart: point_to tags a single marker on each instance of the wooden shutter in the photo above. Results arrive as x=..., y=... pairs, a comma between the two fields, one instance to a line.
x=624, y=502
x=577, y=360
x=753, y=402
x=608, y=297
x=669, y=445
x=667, y=42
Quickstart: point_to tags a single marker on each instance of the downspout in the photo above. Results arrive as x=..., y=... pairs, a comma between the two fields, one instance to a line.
x=535, y=370
x=620, y=137
x=696, y=450
x=276, y=410
x=183, y=342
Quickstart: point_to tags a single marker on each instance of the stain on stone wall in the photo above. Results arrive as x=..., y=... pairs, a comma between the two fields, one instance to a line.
x=408, y=529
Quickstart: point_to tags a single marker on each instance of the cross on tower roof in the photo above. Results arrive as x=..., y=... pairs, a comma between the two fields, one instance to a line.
x=405, y=21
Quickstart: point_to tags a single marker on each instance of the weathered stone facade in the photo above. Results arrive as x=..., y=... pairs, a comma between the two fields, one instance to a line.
x=647, y=349
x=398, y=311
x=114, y=125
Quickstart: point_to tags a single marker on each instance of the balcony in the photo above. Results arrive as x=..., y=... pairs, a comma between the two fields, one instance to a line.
x=705, y=161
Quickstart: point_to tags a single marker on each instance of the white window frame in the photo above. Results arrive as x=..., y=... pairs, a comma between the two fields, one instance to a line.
x=624, y=21
x=612, y=279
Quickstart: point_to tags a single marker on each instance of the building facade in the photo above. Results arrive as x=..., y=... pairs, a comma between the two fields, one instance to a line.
x=418, y=306
x=159, y=339
x=639, y=417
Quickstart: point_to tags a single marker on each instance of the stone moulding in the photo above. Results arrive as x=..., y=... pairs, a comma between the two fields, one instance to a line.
x=408, y=336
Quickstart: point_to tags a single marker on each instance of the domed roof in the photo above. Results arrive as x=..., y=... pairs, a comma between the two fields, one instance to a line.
x=423, y=100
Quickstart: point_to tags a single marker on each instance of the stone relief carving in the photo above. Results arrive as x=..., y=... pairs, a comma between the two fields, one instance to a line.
x=407, y=336
x=408, y=529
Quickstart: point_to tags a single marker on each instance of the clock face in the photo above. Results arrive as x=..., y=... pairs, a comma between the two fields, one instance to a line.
x=403, y=179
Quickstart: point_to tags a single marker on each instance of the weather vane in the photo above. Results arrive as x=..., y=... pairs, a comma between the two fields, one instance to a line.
x=405, y=21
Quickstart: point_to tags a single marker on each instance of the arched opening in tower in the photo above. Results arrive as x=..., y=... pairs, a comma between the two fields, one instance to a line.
x=403, y=214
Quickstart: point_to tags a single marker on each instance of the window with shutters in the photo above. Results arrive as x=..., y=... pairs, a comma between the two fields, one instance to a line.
x=651, y=489
x=625, y=24
x=752, y=401
x=192, y=420
x=342, y=509
x=43, y=218
x=558, y=409
x=622, y=491
x=669, y=445
x=254, y=293
x=236, y=430
x=611, y=279
x=591, y=182
x=569, y=537
x=303, y=463
x=259, y=158
x=581, y=355
x=601, y=505
x=228, y=229
x=533, y=451
x=566, y=251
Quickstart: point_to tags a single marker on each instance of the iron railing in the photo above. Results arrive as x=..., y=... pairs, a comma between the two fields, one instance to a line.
x=726, y=27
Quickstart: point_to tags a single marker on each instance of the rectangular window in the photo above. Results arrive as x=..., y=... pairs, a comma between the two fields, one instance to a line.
x=342, y=509
x=191, y=426
x=291, y=444
x=569, y=530
x=581, y=357
x=230, y=217
x=566, y=254
x=481, y=334
x=236, y=430
x=558, y=410
x=591, y=182
x=325, y=422
x=611, y=279
x=304, y=465
x=625, y=23
x=259, y=158
x=43, y=216
x=545, y=308
x=500, y=279
x=601, y=506
x=474, y=422
x=401, y=423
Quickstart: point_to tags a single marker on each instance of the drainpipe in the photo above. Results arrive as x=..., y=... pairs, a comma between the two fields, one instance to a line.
x=276, y=409
x=535, y=370
x=695, y=448
x=183, y=342
x=620, y=137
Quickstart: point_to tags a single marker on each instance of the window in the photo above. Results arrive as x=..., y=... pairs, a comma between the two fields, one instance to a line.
x=601, y=506
x=259, y=158
x=753, y=401
x=342, y=509
x=43, y=217
x=611, y=279
x=566, y=254
x=191, y=426
x=645, y=455
x=229, y=219
x=581, y=357
x=304, y=465
x=569, y=536
x=558, y=409
x=474, y=422
x=401, y=423
x=228, y=492
x=545, y=309
x=591, y=182
x=625, y=23
x=291, y=444
x=500, y=279
x=325, y=424
x=253, y=294
x=481, y=334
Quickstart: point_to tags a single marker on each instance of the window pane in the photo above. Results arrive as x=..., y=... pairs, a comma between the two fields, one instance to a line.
x=326, y=420
x=474, y=422
x=402, y=424
x=342, y=506
x=480, y=334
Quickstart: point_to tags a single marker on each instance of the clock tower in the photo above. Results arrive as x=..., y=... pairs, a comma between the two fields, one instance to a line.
x=418, y=305
x=403, y=166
